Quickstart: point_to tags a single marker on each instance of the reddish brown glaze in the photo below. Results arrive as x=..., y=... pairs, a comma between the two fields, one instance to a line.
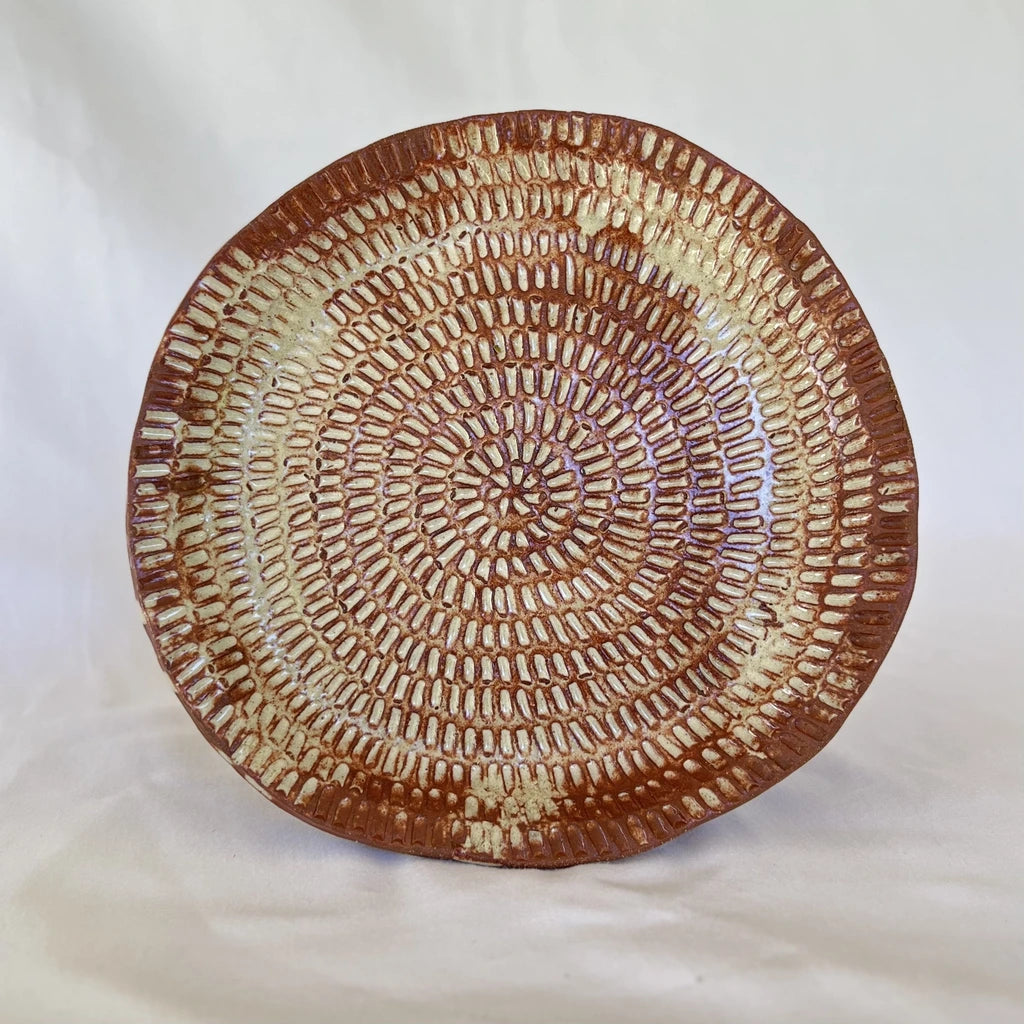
x=527, y=489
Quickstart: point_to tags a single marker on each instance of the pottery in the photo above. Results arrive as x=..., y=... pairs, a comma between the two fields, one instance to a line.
x=527, y=489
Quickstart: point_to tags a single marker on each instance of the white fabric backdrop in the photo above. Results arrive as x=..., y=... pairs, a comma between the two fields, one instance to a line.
x=141, y=880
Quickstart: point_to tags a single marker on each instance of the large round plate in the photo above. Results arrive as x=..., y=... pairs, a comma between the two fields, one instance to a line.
x=527, y=489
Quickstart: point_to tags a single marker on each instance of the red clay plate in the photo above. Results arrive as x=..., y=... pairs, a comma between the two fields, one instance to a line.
x=527, y=489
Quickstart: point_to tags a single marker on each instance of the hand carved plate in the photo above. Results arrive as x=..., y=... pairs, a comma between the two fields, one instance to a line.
x=527, y=489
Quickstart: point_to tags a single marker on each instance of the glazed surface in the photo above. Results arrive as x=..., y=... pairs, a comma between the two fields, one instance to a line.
x=527, y=489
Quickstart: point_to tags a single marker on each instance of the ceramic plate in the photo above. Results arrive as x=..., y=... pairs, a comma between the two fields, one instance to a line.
x=527, y=489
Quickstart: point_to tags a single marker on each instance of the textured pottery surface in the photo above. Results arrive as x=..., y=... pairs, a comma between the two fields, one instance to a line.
x=527, y=489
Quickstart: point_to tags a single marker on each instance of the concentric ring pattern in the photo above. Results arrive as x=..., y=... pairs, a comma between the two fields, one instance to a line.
x=526, y=489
